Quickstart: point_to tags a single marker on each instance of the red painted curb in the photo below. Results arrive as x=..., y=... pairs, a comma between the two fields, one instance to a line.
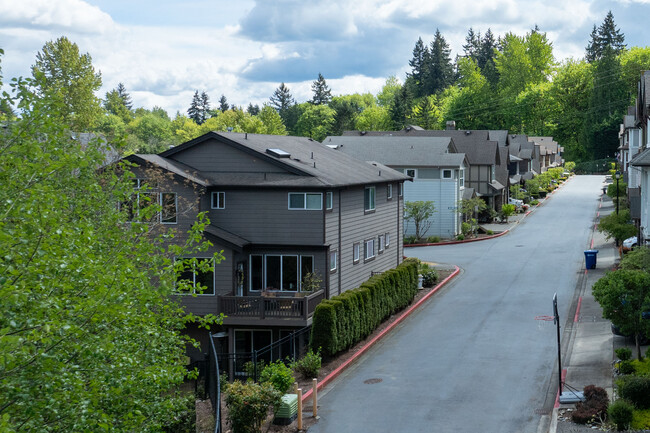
x=575, y=318
x=557, y=397
x=334, y=374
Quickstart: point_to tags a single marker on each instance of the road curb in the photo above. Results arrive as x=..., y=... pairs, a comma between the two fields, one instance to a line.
x=334, y=374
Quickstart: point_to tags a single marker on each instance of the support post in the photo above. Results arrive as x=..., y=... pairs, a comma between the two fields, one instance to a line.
x=314, y=396
x=299, y=409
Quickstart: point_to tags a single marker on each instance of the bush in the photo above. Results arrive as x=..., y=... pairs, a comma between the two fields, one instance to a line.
x=249, y=404
x=429, y=277
x=636, y=390
x=621, y=413
x=489, y=232
x=409, y=240
x=623, y=353
x=460, y=237
x=278, y=375
x=249, y=368
x=534, y=202
x=626, y=367
x=593, y=408
x=466, y=229
x=184, y=417
x=641, y=420
x=433, y=239
x=309, y=365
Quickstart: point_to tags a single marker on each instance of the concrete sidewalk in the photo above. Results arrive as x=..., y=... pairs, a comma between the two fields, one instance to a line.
x=588, y=340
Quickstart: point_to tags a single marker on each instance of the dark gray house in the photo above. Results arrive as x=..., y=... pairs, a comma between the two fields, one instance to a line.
x=280, y=208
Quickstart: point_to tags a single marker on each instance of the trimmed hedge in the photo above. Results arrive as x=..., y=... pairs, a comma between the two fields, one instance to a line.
x=342, y=321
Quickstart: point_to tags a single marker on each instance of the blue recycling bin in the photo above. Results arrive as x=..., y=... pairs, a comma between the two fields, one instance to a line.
x=590, y=258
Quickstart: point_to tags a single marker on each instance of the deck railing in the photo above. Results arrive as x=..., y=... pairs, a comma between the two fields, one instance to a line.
x=282, y=305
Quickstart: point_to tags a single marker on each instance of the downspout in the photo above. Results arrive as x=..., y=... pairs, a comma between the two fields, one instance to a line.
x=399, y=235
x=340, y=252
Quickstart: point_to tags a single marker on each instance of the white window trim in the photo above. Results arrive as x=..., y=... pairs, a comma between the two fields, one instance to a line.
x=162, y=207
x=401, y=189
x=366, y=243
x=356, y=252
x=380, y=241
x=212, y=202
x=329, y=196
x=414, y=170
x=449, y=172
x=387, y=240
x=305, y=194
x=389, y=191
x=374, y=199
x=334, y=255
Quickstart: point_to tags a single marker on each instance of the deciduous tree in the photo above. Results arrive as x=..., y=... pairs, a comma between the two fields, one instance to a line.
x=420, y=213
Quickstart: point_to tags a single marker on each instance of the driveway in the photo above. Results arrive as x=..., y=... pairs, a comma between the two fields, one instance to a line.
x=473, y=359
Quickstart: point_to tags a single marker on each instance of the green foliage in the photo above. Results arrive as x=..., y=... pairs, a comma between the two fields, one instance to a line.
x=617, y=226
x=429, y=277
x=642, y=366
x=249, y=405
x=433, y=239
x=409, y=240
x=624, y=295
x=534, y=202
x=253, y=369
x=322, y=92
x=623, y=353
x=90, y=332
x=311, y=282
x=507, y=210
x=309, y=365
x=184, y=416
x=340, y=322
x=569, y=166
x=316, y=121
x=635, y=389
x=625, y=367
x=460, y=237
x=420, y=213
x=278, y=375
x=68, y=80
x=621, y=414
x=637, y=259
x=641, y=420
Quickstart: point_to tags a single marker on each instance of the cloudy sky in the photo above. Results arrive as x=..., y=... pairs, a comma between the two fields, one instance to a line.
x=164, y=50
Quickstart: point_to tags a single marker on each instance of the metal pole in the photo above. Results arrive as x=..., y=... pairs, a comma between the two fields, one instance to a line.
x=617, y=176
x=556, y=319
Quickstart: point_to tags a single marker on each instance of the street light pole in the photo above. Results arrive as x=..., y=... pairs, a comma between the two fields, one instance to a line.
x=618, y=176
x=556, y=319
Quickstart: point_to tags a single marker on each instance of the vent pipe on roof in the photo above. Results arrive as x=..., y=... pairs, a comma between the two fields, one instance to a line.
x=246, y=136
x=314, y=164
x=312, y=155
x=380, y=172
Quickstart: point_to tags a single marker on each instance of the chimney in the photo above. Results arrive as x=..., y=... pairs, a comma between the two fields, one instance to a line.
x=451, y=125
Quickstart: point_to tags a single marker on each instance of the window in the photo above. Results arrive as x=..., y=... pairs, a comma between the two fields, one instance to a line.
x=401, y=190
x=369, y=250
x=197, y=276
x=305, y=201
x=356, y=252
x=333, y=260
x=381, y=244
x=168, y=208
x=249, y=340
x=329, y=198
x=411, y=172
x=446, y=174
x=218, y=200
x=461, y=178
x=387, y=240
x=139, y=208
x=369, y=199
x=279, y=272
x=493, y=173
x=389, y=191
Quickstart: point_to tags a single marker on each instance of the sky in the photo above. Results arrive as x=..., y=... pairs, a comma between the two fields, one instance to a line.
x=163, y=50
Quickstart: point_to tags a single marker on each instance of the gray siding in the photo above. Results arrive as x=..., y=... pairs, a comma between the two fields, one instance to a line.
x=445, y=195
x=358, y=226
x=263, y=217
x=223, y=284
x=219, y=157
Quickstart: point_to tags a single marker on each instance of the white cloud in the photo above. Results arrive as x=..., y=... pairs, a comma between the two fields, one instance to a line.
x=72, y=15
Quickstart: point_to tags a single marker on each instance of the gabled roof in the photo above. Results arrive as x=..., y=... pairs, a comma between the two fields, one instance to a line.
x=170, y=165
x=641, y=159
x=304, y=163
x=400, y=151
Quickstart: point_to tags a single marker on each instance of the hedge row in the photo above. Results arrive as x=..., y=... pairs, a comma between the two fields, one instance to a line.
x=340, y=322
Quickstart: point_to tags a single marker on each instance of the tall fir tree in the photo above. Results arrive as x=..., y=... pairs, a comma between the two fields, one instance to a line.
x=281, y=99
x=126, y=98
x=485, y=61
x=223, y=104
x=592, y=50
x=322, y=92
x=440, y=70
x=194, y=112
x=253, y=110
x=606, y=36
x=472, y=46
x=418, y=64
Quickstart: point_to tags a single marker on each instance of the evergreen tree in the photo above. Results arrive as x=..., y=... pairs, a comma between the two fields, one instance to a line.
x=440, y=70
x=253, y=110
x=322, y=93
x=400, y=108
x=281, y=99
x=223, y=104
x=418, y=66
x=114, y=104
x=486, y=55
x=126, y=98
x=607, y=36
x=472, y=47
x=194, y=112
x=205, y=106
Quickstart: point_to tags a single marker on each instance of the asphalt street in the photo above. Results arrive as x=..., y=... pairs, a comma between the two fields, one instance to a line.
x=474, y=359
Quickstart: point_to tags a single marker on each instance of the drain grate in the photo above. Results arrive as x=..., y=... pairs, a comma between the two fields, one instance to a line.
x=371, y=381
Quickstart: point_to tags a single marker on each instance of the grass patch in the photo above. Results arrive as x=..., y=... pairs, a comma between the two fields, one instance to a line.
x=641, y=420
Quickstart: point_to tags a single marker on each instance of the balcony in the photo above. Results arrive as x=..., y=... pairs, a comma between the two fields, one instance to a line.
x=270, y=309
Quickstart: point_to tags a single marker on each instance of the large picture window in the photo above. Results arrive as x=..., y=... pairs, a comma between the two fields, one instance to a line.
x=279, y=272
x=305, y=201
x=141, y=206
x=197, y=276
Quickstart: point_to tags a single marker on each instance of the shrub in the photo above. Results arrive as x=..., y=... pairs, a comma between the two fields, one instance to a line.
x=460, y=237
x=248, y=405
x=626, y=367
x=249, y=368
x=636, y=390
x=429, y=277
x=466, y=229
x=309, y=365
x=594, y=407
x=623, y=353
x=534, y=202
x=641, y=420
x=278, y=375
x=489, y=232
x=642, y=368
x=184, y=417
x=433, y=239
x=621, y=413
x=408, y=240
